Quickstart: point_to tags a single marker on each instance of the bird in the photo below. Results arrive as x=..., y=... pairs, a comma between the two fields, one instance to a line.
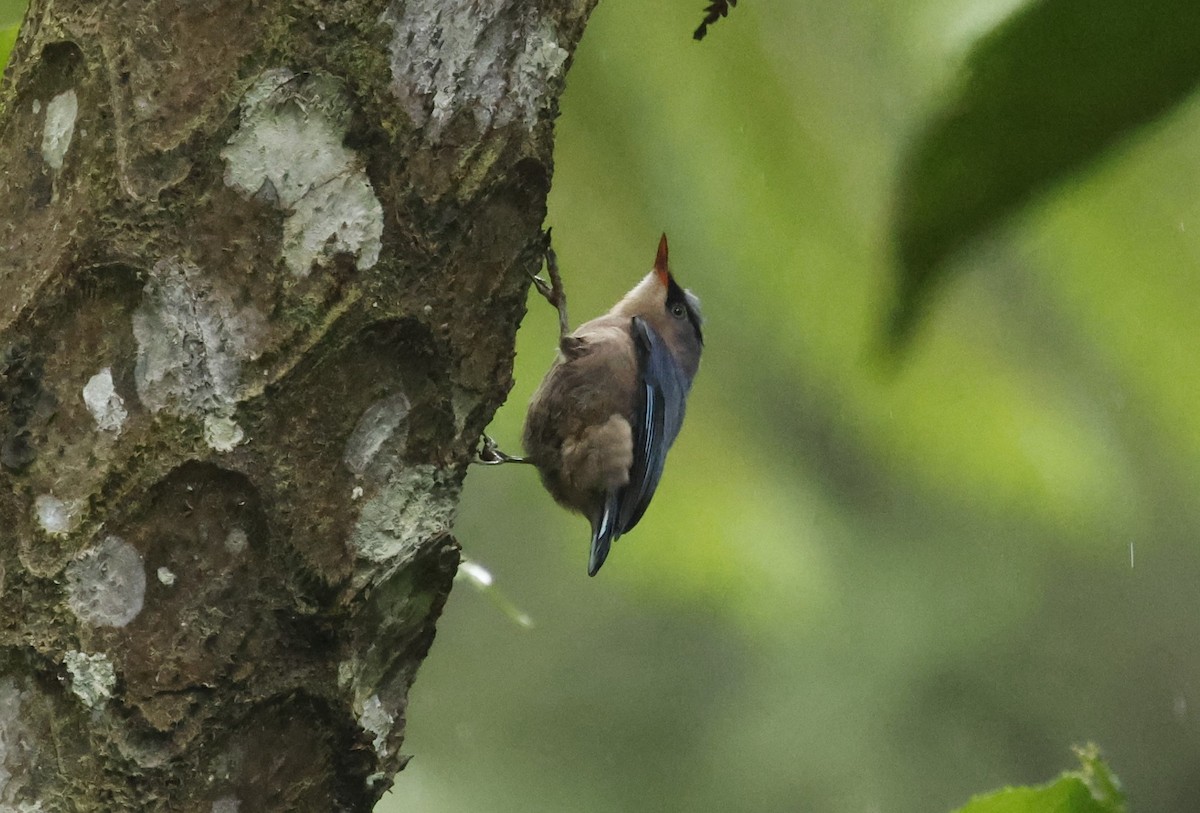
x=600, y=425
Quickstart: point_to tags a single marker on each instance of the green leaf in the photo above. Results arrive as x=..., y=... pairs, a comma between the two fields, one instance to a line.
x=1044, y=95
x=1092, y=789
x=8, y=36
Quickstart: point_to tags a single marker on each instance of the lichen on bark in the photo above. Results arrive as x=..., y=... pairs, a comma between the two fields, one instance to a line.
x=261, y=271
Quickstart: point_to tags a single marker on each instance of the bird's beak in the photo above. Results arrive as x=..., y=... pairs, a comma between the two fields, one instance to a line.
x=660, y=262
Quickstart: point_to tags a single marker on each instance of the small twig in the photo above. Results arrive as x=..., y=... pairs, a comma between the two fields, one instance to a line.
x=713, y=12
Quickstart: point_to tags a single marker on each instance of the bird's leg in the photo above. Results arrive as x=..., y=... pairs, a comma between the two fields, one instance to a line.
x=553, y=290
x=489, y=455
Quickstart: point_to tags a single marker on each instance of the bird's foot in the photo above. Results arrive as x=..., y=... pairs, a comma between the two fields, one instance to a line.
x=553, y=291
x=488, y=454
x=545, y=289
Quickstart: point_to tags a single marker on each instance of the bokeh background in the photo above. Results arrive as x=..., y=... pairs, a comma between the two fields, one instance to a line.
x=861, y=587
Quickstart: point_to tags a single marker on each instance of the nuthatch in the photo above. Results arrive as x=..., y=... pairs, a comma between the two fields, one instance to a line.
x=600, y=424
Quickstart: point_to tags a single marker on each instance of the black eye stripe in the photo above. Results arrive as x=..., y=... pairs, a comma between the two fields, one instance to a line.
x=677, y=296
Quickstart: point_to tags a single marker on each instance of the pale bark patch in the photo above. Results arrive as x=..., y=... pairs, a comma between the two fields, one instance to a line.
x=60, y=127
x=106, y=585
x=288, y=150
x=103, y=401
x=92, y=676
x=447, y=58
x=415, y=504
x=192, y=341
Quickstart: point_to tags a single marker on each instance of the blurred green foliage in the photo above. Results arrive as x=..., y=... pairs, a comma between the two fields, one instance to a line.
x=857, y=588
x=1091, y=790
x=1042, y=95
x=10, y=23
x=8, y=36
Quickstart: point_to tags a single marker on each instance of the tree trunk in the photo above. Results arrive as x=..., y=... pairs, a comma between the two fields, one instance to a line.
x=261, y=267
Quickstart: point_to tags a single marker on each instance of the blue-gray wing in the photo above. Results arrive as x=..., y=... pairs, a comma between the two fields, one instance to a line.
x=658, y=416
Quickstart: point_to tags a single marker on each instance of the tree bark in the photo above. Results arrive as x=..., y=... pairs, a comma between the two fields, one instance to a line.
x=261, y=268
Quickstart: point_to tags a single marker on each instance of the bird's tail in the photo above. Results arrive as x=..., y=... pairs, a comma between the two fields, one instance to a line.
x=605, y=531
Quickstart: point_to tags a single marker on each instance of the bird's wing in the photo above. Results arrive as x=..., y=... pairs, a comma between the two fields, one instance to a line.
x=662, y=394
x=604, y=531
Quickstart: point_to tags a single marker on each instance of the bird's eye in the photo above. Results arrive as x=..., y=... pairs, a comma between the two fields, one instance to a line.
x=678, y=311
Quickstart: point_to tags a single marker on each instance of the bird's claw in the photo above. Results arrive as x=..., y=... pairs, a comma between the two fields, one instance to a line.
x=489, y=454
x=544, y=288
x=552, y=291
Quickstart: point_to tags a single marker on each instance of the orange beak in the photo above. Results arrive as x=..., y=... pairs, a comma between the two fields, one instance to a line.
x=660, y=262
